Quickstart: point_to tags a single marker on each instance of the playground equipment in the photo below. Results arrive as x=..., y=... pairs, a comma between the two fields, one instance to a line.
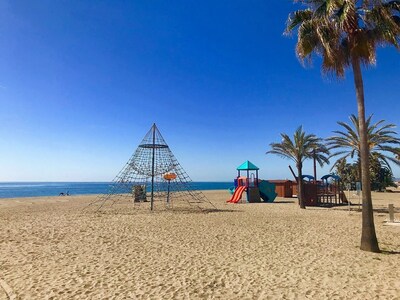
x=331, y=192
x=267, y=191
x=153, y=178
x=325, y=192
x=169, y=177
x=255, y=189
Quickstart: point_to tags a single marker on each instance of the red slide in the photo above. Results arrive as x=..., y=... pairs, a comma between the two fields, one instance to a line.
x=237, y=195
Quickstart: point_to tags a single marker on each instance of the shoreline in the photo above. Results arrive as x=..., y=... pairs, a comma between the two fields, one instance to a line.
x=53, y=189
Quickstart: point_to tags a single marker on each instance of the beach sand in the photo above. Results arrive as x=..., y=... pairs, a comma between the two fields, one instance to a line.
x=49, y=249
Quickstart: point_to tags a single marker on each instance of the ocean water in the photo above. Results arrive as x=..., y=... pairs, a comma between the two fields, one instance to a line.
x=36, y=189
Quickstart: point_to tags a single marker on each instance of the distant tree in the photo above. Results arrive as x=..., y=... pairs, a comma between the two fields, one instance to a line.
x=346, y=34
x=348, y=173
x=380, y=139
x=302, y=147
x=385, y=179
x=381, y=175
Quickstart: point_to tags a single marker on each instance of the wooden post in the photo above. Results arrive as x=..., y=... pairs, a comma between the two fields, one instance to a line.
x=315, y=167
x=391, y=213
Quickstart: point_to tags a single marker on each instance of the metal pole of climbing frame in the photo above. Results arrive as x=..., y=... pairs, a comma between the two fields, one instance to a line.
x=152, y=167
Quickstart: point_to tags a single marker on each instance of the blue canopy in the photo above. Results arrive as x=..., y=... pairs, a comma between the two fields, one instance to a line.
x=309, y=177
x=325, y=177
x=247, y=166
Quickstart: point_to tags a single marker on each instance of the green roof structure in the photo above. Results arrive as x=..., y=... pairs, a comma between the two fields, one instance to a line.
x=247, y=166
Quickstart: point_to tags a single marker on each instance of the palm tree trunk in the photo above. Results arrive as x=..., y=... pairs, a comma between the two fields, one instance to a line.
x=369, y=242
x=300, y=190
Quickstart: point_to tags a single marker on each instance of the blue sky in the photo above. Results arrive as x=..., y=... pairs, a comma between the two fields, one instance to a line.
x=81, y=82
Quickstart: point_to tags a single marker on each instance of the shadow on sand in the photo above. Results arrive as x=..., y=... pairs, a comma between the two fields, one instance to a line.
x=390, y=252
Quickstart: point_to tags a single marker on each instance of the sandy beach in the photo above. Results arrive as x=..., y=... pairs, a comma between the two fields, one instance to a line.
x=51, y=250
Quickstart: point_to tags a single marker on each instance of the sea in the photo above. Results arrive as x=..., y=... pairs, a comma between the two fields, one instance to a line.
x=37, y=189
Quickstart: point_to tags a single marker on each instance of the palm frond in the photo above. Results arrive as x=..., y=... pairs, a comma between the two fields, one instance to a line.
x=297, y=18
x=342, y=30
x=300, y=147
x=380, y=138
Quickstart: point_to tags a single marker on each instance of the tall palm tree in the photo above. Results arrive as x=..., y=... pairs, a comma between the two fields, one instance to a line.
x=302, y=146
x=380, y=138
x=346, y=34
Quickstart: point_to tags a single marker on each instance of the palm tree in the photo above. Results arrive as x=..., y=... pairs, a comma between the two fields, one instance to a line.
x=347, y=172
x=302, y=146
x=346, y=34
x=380, y=138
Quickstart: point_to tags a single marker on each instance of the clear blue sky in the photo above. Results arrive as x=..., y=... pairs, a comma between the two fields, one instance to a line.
x=81, y=82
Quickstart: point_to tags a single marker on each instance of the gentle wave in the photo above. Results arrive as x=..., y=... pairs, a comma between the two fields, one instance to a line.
x=5, y=186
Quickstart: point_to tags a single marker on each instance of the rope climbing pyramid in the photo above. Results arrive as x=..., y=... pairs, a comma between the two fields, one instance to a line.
x=153, y=178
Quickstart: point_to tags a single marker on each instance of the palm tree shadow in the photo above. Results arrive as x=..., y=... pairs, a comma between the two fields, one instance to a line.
x=390, y=252
x=384, y=210
x=386, y=246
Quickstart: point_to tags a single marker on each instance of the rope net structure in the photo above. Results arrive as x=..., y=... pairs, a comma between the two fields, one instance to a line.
x=153, y=178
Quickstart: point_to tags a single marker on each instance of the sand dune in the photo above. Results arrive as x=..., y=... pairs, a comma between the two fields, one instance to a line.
x=50, y=250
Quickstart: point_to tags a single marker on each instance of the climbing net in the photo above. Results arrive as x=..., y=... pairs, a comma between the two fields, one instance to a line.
x=153, y=178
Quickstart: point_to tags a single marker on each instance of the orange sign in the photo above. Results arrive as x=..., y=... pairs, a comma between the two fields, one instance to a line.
x=169, y=176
